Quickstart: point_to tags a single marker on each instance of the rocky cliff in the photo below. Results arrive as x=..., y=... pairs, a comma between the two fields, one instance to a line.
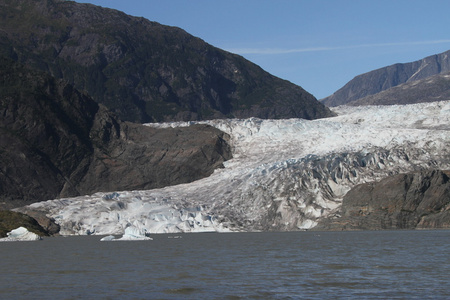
x=385, y=78
x=56, y=141
x=141, y=70
x=417, y=200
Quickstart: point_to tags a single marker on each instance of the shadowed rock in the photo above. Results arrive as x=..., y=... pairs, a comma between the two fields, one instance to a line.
x=57, y=142
x=404, y=201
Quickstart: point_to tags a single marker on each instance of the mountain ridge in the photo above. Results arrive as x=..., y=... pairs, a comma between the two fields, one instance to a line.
x=429, y=89
x=144, y=71
x=382, y=79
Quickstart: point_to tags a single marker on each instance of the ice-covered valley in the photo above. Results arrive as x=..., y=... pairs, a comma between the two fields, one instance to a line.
x=284, y=175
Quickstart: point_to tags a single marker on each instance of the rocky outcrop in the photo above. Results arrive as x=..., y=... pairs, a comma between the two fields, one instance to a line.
x=385, y=78
x=48, y=224
x=141, y=157
x=10, y=220
x=417, y=200
x=57, y=142
x=144, y=71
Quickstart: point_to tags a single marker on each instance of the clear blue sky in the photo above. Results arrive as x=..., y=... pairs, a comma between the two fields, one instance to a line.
x=317, y=44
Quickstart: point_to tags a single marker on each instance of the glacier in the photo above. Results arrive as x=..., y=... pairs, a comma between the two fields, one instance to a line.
x=284, y=175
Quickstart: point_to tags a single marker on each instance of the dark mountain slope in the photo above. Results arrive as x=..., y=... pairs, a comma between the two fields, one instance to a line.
x=43, y=138
x=430, y=89
x=141, y=70
x=384, y=78
x=57, y=142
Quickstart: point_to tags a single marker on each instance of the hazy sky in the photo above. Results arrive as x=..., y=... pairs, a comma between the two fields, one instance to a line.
x=317, y=44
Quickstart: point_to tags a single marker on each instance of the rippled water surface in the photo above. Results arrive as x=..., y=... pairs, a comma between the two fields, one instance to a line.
x=296, y=265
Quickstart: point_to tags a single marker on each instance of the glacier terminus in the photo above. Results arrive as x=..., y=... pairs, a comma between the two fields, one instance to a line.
x=285, y=175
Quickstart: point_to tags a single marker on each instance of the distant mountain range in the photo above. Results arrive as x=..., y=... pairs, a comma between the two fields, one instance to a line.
x=398, y=84
x=141, y=70
x=430, y=89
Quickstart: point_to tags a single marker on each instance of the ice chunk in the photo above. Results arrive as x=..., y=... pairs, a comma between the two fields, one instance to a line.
x=21, y=234
x=108, y=238
x=132, y=233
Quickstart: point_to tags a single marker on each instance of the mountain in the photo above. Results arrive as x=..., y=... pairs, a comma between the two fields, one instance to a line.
x=430, y=89
x=57, y=142
x=388, y=77
x=291, y=175
x=141, y=70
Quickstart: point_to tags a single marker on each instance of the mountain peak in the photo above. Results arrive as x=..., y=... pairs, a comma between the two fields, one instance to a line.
x=144, y=71
x=382, y=79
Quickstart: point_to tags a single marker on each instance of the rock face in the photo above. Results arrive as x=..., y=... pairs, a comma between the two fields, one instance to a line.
x=144, y=158
x=10, y=220
x=57, y=142
x=406, y=201
x=48, y=224
x=385, y=78
x=141, y=70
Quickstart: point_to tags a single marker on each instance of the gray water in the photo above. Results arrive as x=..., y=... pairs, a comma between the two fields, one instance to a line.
x=295, y=265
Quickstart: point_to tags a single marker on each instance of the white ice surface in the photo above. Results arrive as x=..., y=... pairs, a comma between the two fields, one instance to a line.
x=20, y=234
x=132, y=233
x=284, y=175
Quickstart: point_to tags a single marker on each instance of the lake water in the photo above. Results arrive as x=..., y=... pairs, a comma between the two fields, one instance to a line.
x=294, y=265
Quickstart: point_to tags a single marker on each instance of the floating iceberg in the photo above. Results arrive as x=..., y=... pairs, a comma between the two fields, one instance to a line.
x=108, y=238
x=135, y=233
x=132, y=233
x=21, y=234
